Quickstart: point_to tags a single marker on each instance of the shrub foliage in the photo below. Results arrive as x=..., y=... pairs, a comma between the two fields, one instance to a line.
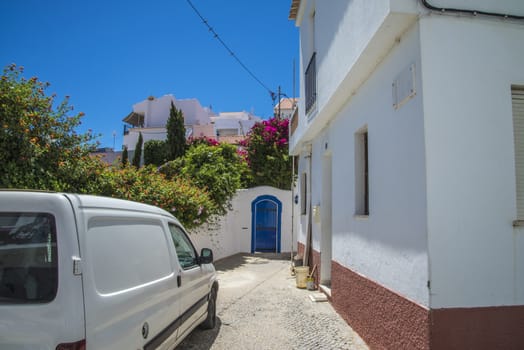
x=155, y=152
x=39, y=145
x=267, y=148
x=190, y=204
x=215, y=169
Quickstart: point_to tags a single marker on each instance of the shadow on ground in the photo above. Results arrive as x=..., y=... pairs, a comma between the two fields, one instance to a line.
x=241, y=259
x=201, y=339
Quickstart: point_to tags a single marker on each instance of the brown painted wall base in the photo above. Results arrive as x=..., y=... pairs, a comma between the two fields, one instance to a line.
x=478, y=328
x=385, y=320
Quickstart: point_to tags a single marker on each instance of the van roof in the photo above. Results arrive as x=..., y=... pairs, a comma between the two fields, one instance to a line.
x=91, y=201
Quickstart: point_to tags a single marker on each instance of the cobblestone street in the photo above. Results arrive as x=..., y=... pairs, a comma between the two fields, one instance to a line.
x=259, y=307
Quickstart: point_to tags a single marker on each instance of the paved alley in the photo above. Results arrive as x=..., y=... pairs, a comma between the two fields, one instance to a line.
x=259, y=307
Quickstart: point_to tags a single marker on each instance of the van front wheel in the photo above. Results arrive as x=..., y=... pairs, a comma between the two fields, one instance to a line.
x=210, y=320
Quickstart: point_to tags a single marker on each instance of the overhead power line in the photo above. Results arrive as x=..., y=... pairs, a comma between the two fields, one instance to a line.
x=228, y=49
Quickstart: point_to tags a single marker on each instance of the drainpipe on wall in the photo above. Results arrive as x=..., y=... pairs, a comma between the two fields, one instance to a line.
x=471, y=12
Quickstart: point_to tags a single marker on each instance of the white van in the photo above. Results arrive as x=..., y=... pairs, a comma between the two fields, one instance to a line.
x=85, y=272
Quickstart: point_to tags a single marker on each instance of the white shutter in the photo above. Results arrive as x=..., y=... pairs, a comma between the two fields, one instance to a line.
x=517, y=96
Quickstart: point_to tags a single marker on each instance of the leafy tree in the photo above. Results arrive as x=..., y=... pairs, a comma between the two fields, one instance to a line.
x=176, y=133
x=267, y=148
x=125, y=156
x=246, y=175
x=138, y=151
x=190, y=204
x=40, y=148
x=215, y=169
x=155, y=152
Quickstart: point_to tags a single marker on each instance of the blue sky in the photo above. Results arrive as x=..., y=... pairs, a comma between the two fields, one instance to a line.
x=110, y=54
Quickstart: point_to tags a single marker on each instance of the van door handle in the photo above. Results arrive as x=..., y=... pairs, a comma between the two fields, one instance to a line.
x=179, y=280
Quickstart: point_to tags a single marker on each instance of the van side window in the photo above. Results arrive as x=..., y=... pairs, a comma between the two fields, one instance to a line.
x=28, y=258
x=185, y=251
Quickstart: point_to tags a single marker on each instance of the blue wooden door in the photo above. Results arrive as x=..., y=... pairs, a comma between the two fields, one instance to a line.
x=266, y=224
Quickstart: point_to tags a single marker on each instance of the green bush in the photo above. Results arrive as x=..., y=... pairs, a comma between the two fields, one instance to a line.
x=267, y=153
x=40, y=148
x=137, y=156
x=155, y=152
x=190, y=204
x=176, y=133
x=215, y=169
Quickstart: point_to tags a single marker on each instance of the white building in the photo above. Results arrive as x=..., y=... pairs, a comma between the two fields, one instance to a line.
x=285, y=107
x=410, y=138
x=231, y=127
x=150, y=116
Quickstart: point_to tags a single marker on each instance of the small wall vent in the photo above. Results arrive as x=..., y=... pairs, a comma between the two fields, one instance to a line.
x=403, y=87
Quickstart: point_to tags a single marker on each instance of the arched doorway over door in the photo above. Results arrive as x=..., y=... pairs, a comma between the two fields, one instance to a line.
x=266, y=212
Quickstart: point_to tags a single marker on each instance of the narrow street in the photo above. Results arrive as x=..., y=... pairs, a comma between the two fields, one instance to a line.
x=259, y=307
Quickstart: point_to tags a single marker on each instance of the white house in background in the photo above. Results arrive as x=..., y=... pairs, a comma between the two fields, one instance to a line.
x=285, y=108
x=410, y=138
x=150, y=116
x=231, y=127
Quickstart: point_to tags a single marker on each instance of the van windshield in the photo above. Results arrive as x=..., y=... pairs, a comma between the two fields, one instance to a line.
x=28, y=258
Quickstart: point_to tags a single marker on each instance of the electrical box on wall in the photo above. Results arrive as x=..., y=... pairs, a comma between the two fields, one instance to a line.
x=316, y=213
x=403, y=87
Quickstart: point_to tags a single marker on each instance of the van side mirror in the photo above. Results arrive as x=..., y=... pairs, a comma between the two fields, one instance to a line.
x=206, y=256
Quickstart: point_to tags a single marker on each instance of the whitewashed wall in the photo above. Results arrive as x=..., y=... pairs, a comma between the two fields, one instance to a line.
x=350, y=39
x=231, y=234
x=148, y=134
x=156, y=111
x=476, y=256
x=390, y=245
x=194, y=113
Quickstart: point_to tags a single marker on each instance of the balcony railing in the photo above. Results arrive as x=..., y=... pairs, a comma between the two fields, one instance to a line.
x=311, y=83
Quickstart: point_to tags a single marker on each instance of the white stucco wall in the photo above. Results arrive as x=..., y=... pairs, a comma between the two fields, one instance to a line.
x=350, y=39
x=390, y=245
x=194, y=113
x=469, y=65
x=156, y=111
x=234, y=123
x=231, y=234
x=452, y=228
x=148, y=134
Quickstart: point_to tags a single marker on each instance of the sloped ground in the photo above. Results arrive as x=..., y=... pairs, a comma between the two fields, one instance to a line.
x=259, y=307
